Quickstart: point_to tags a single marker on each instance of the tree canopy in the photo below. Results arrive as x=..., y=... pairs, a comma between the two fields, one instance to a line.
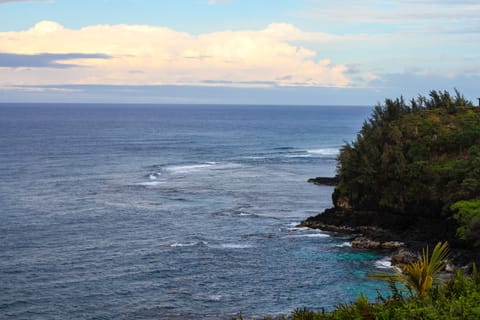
x=419, y=157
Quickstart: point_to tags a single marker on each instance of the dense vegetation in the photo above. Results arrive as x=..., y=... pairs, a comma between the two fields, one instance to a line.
x=417, y=158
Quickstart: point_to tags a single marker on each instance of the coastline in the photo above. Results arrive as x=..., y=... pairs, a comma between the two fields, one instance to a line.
x=404, y=236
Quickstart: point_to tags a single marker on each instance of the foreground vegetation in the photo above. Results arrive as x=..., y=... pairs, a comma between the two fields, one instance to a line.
x=425, y=294
x=419, y=159
x=417, y=292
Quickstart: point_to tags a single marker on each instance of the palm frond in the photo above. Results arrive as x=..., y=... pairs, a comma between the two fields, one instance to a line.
x=420, y=276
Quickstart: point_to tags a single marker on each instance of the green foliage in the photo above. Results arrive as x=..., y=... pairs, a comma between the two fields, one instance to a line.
x=420, y=276
x=305, y=314
x=458, y=299
x=468, y=216
x=415, y=158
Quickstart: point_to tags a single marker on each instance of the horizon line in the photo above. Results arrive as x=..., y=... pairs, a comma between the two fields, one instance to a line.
x=187, y=104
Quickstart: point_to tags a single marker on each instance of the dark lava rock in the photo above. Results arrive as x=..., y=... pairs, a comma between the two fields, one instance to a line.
x=383, y=227
x=366, y=243
x=403, y=257
x=324, y=181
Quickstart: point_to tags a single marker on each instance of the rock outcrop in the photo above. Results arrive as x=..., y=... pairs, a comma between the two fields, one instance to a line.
x=366, y=243
x=324, y=181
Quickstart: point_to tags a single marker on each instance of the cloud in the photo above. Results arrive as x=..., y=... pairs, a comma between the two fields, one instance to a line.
x=387, y=86
x=162, y=56
x=407, y=14
x=45, y=60
x=211, y=2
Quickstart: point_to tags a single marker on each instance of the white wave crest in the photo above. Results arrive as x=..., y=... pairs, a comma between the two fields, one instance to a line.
x=310, y=235
x=298, y=155
x=190, y=168
x=150, y=183
x=154, y=176
x=188, y=244
x=384, y=263
x=294, y=227
x=345, y=244
x=208, y=297
x=255, y=157
x=325, y=152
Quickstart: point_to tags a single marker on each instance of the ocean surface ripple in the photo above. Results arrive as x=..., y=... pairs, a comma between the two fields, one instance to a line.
x=171, y=212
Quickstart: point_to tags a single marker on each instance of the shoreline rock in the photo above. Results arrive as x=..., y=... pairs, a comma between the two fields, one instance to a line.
x=404, y=236
x=402, y=257
x=366, y=243
x=414, y=232
x=324, y=181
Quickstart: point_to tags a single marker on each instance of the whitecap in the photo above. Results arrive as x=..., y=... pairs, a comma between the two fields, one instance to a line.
x=208, y=297
x=326, y=152
x=189, y=168
x=150, y=183
x=293, y=224
x=214, y=297
x=294, y=227
x=310, y=235
x=384, y=263
x=245, y=214
x=154, y=176
x=188, y=244
x=306, y=155
x=344, y=244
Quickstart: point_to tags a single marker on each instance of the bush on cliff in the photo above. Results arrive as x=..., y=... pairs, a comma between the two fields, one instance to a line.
x=416, y=158
x=468, y=215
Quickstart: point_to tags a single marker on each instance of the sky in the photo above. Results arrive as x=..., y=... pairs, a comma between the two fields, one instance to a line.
x=314, y=52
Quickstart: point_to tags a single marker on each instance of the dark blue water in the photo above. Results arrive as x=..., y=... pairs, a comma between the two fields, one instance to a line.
x=171, y=212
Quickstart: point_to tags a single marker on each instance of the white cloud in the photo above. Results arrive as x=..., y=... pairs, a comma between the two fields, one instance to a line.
x=401, y=12
x=217, y=1
x=162, y=56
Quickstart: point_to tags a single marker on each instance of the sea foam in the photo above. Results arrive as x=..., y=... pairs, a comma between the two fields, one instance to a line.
x=150, y=183
x=190, y=168
x=310, y=235
x=345, y=244
x=326, y=152
x=384, y=263
x=188, y=244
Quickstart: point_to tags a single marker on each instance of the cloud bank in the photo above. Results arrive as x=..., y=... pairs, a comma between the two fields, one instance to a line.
x=45, y=60
x=147, y=55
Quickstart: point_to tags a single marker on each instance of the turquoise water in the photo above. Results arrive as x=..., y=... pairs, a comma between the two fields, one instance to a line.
x=171, y=212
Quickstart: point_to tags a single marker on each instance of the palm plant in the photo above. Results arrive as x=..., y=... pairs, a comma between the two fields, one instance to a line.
x=420, y=276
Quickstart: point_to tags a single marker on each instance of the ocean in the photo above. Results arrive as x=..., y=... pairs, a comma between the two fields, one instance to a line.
x=172, y=211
